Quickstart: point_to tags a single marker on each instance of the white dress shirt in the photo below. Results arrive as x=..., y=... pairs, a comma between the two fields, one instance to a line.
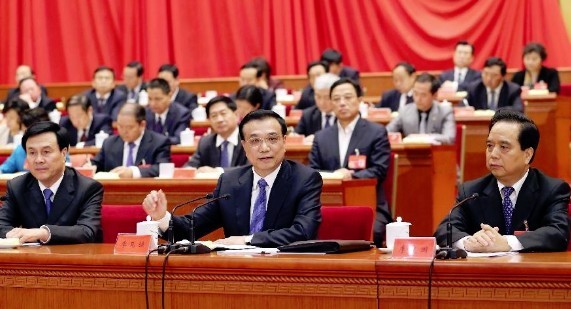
x=344, y=138
x=135, y=169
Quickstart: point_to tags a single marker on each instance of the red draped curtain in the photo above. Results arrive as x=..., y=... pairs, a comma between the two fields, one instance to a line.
x=65, y=40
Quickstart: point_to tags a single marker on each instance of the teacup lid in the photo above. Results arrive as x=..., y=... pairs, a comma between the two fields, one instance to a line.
x=399, y=222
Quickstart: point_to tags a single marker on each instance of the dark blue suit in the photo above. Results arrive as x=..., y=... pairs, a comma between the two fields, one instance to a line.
x=177, y=120
x=99, y=123
x=509, y=96
x=293, y=208
x=350, y=73
x=113, y=104
x=307, y=98
x=186, y=99
x=310, y=121
x=154, y=149
x=542, y=201
x=75, y=216
x=372, y=141
x=14, y=93
x=471, y=76
x=207, y=154
x=391, y=99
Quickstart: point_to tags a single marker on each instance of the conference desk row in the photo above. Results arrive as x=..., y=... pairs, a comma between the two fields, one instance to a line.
x=91, y=276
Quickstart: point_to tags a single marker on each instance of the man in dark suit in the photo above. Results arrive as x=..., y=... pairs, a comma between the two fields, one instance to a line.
x=82, y=124
x=169, y=72
x=163, y=116
x=135, y=152
x=462, y=74
x=404, y=75
x=314, y=70
x=275, y=202
x=22, y=71
x=252, y=74
x=223, y=149
x=104, y=97
x=52, y=204
x=514, y=197
x=337, y=148
x=133, y=81
x=321, y=115
x=335, y=61
x=493, y=91
x=31, y=92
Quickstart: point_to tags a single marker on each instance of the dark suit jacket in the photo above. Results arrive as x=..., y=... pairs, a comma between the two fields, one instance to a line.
x=293, y=209
x=310, y=121
x=549, y=76
x=178, y=119
x=116, y=99
x=207, y=154
x=307, y=98
x=509, y=96
x=76, y=212
x=391, y=99
x=154, y=149
x=99, y=123
x=124, y=89
x=542, y=201
x=350, y=73
x=372, y=141
x=13, y=93
x=186, y=99
x=47, y=104
x=269, y=99
x=471, y=76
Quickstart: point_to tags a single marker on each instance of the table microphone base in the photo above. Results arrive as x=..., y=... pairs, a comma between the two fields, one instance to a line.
x=193, y=249
x=450, y=253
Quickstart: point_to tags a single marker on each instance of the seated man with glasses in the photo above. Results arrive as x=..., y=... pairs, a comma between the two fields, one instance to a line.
x=274, y=202
x=355, y=147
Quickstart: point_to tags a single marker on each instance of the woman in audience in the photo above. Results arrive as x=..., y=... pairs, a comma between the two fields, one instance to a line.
x=12, y=125
x=534, y=72
x=248, y=99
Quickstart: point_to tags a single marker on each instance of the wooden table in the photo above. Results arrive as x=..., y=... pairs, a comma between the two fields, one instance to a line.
x=91, y=276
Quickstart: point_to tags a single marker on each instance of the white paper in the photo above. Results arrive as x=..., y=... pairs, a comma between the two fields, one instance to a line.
x=489, y=254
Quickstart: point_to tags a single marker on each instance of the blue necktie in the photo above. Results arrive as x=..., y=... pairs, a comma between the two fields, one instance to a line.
x=259, y=212
x=47, y=196
x=327, y=119
x=508, y=208
x=159, y=126
x=130, y=160
x=224, y=160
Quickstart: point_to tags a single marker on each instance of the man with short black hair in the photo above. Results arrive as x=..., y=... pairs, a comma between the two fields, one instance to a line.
x=274, y=202
x=53, y=204
x=82, y=124
x=223, y=149
x=31, y=92
x=314, y=70
x=462, y=74
x=169, y=72
x=252, y=74
x=404, y=75
x=104, y=97
x=133, y=81
x=518, y=208
x=334, y=60
x=321, y=115
x=22, y=71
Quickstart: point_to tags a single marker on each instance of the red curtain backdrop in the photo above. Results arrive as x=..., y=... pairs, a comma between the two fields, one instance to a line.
x=65, y=40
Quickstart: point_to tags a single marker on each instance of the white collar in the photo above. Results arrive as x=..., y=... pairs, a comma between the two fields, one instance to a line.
x=350, y=127
x=233, y=138
x=54, y=187
x=517, y=186
x=270, y=178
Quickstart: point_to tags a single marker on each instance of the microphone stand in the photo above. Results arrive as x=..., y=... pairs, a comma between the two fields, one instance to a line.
x=170, y=232
x=194, y=248
x=448, y=252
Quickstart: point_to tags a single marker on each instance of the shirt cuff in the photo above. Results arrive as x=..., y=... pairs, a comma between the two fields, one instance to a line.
x=136, y=171
x=248, y=239
x=163, y=222
x=460, y=243
x=219, y=170
x=514, y=243
x=45, y=227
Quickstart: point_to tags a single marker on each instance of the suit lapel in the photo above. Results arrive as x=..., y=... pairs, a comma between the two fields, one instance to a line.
x=146, y=142
x=316, y=120
x=503, y=97
x=214, y=152
x=64, y=196
x=242, y=194
x=355, y=139
x=279, y=191
x=38, y=205
x=236, y=155
x=525, y=201
x=332, y=147
x=432, y=119
x=491, y=206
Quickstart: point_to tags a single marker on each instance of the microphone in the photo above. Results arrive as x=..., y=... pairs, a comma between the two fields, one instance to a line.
x=448, y=252
x=168, y=247
x=194, y=248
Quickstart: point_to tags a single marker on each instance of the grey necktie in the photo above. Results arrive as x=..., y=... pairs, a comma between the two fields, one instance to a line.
x=493, y=105
x=422, y=127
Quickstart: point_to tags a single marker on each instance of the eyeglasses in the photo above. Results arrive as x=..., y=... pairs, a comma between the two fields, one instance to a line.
x=256, y=142
x=347, y=98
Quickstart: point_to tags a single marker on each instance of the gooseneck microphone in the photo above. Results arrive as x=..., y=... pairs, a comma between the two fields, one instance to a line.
x=194, y=248
x=170, y=232
x=448, y=252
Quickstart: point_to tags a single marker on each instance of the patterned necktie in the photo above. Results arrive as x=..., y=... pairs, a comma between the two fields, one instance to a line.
x=327, y=119
x=259, y=212
x=159, y=125
x=130, y=159
x=47, y=197
x=83, y=136
x=224, y=160
x=508, y=208
x=422, y=127
x=493, y=105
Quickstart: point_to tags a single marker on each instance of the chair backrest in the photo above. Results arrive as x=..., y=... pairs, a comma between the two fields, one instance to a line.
x=120, y=219
x=460, y=150
x=179, y=159
x=390, y=184
x=346, y=222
